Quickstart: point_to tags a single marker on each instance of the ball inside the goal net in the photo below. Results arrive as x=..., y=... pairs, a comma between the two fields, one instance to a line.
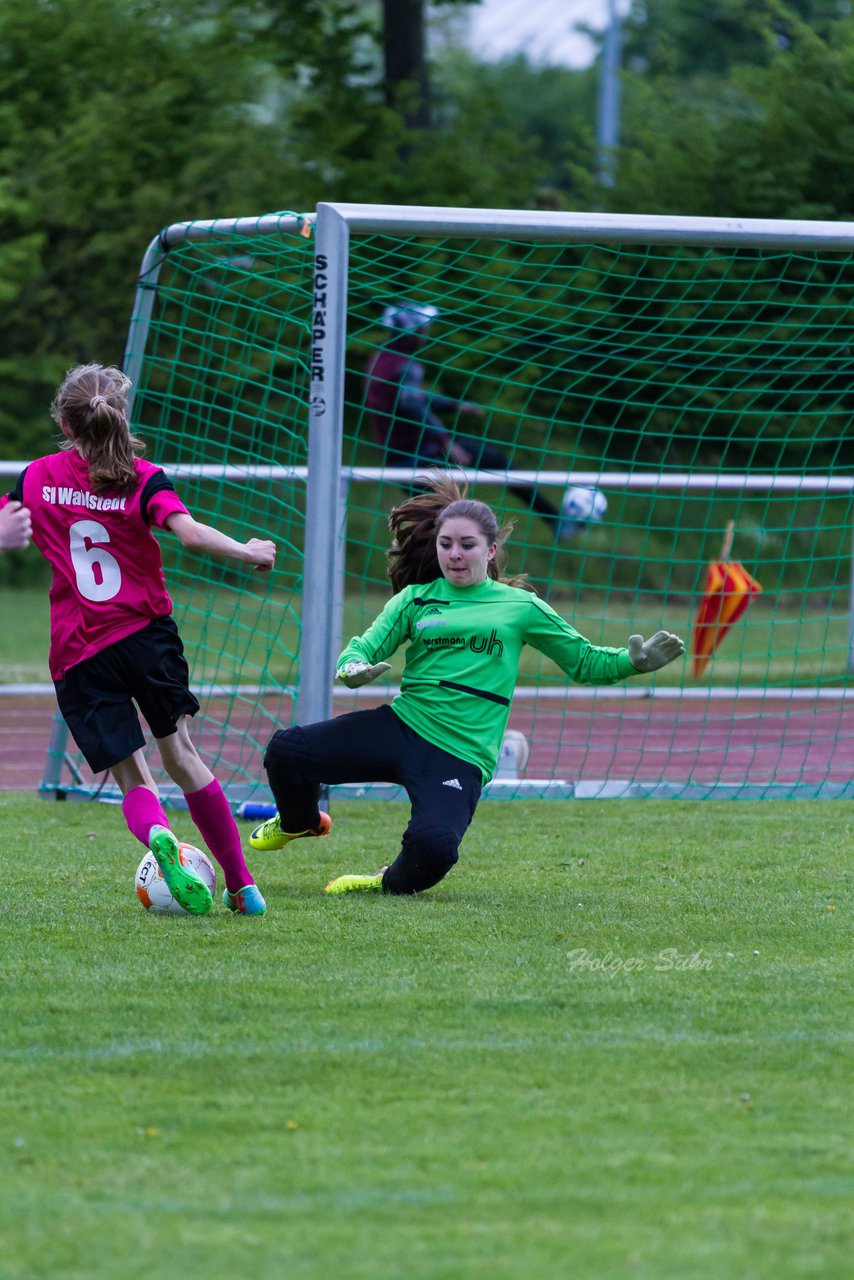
x=152, y=890
x=582, y=506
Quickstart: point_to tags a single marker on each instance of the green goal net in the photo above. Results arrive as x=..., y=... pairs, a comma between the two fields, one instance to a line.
x=699, y=388
x=698, y=380
x=218, y=351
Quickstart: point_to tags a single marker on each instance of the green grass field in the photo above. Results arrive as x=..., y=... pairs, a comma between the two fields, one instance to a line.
x=614, y=1043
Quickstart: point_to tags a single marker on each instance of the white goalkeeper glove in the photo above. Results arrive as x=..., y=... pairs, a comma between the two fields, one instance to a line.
x=649, y=655
x=354, y=674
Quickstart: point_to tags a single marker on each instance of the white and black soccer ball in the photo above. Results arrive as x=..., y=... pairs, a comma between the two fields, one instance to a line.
x=409, y=317
x=580, y=507
x=152, y=890
x=513, y=755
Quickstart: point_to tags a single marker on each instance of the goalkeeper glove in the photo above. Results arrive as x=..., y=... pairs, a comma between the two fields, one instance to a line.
x=649, y=655
x=354, y=674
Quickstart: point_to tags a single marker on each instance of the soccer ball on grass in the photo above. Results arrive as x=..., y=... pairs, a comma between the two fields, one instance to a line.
x=152, y=890
x=512, y=757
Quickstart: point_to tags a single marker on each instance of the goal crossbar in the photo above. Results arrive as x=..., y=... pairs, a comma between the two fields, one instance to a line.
x=644, y=480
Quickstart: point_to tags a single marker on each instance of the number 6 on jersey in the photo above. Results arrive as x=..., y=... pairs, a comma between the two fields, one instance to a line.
x=98, y=574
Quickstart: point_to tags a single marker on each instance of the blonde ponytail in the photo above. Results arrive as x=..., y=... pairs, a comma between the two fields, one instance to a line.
x=91, y=403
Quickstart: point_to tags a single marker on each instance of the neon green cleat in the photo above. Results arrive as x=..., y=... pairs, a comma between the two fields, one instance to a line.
x=188, y=889
x=357, y=884
x=271, y=836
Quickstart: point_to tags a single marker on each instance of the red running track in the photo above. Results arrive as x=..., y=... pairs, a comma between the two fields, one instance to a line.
x=766, y=742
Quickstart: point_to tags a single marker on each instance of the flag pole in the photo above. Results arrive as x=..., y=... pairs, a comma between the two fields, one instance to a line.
x=726, y=545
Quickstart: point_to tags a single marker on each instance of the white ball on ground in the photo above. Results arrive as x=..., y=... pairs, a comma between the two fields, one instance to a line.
x=513, y=755
x=152, y=890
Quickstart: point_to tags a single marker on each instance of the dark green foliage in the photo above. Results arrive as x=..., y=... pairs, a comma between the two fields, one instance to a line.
x=116, y=119
x=765, y=138
x=550, y=110
x=687, y=38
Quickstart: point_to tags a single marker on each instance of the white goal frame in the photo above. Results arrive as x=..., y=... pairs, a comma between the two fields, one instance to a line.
x=335, y=224
x=327, y=481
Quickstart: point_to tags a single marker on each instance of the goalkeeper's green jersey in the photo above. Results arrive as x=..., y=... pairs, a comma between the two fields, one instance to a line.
x=463, y=659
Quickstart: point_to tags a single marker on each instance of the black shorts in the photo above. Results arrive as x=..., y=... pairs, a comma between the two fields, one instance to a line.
x=96, y=697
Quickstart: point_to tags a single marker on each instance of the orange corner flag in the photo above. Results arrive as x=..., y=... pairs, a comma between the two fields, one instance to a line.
x=726, y=596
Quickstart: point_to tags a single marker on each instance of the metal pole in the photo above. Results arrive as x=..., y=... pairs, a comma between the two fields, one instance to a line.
x=140, y=316
x=324, y=517
x=608, y=115
x=851, y=610
x=340, y=567
x=598, y=228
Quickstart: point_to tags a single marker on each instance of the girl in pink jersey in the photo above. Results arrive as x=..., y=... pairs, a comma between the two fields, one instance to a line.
x=113, y=639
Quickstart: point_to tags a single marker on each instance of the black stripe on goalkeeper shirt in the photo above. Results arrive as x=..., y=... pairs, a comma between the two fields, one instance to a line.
x=478, y=693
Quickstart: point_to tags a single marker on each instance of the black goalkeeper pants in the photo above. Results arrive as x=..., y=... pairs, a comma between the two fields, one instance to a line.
x=376, y=746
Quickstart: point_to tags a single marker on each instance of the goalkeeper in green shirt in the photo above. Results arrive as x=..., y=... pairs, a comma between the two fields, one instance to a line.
x=464, y=626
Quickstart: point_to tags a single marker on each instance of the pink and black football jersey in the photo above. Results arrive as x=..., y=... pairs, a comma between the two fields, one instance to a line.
x=107, y=572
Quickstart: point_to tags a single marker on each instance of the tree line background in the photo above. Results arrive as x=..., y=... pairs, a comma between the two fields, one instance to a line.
x=118, y=117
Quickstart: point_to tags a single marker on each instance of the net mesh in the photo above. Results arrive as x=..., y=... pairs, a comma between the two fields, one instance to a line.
x=668, y=362
x=655, y=365
x=221, y=384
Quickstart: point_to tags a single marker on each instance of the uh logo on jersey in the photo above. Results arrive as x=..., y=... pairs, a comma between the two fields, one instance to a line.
x=487, y=644
x=478, y=643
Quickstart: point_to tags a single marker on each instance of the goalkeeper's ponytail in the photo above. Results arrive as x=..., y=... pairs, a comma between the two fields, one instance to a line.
x=415, y=525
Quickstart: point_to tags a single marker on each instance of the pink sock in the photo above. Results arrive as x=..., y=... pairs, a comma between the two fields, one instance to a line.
x=143, y=810
x=212, y=814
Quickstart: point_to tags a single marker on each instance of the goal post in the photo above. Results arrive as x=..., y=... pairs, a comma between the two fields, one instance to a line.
x=734, y=336
x=693, y=369
x=218, y=352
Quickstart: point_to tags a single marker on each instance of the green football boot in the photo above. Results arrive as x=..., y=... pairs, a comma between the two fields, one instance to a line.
x=357, y=884
x=188, y=889
x=271, y=836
